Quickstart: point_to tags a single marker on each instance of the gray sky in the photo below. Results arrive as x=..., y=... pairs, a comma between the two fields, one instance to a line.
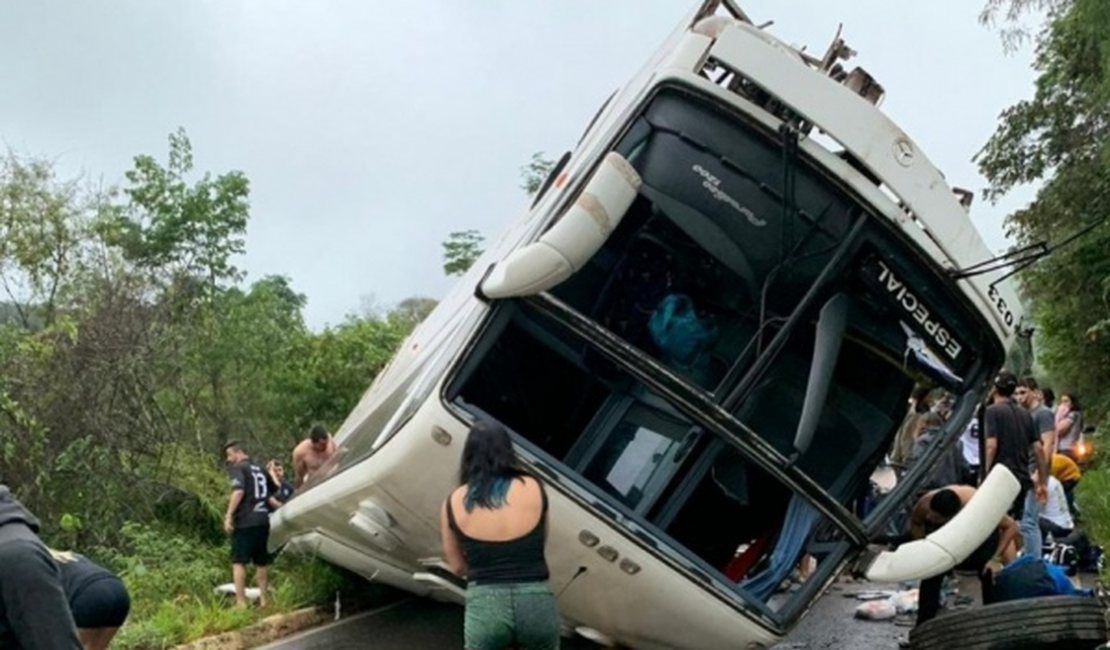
x=369, y=130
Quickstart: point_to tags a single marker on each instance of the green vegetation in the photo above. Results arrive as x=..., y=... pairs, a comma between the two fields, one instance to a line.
x=1060, y=137
x=535, y=173
x=131, y=348
x=170, y=577
x=463, y=247
x=461, y=250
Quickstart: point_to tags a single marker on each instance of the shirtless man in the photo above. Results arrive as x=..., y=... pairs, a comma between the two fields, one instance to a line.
x=937, y=508
x=311, y=454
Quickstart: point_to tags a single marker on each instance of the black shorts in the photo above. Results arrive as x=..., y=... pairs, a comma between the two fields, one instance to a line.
x=103, y=603
x=248, y=545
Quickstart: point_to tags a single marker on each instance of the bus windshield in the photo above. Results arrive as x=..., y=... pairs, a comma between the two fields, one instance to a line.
x=752, y=280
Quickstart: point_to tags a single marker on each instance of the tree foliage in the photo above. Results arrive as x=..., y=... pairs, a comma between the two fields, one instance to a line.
x=1061, y=136
x=41, y=224
x=461, y=250
x=414, y=310
x=131, y=348
x=178, y=228
x=535, y=172
x=1007, y=16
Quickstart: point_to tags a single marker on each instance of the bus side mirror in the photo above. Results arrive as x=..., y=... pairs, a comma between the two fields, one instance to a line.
x=573, y=239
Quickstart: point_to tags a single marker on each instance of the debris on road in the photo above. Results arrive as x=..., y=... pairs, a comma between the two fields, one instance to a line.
x=876, y=610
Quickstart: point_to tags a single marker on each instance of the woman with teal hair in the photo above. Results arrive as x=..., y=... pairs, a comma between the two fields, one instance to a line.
x=494, y=527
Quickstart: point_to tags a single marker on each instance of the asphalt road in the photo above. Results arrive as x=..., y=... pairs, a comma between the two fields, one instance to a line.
x=416, y=624
x=832, y=625
x=422, y=624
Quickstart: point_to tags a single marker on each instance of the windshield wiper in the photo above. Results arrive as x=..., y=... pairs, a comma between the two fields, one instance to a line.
x=1021, y=258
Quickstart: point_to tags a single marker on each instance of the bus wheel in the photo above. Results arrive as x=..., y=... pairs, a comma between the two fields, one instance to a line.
x=1047, y=623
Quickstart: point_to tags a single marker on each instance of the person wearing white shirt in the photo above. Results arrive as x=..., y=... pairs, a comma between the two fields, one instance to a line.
x=1055, y=516
x=969, y=444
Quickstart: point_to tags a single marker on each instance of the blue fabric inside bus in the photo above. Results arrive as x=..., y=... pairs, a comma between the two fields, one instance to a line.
x=800, y=520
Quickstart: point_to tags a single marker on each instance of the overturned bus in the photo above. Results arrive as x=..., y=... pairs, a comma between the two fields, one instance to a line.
x=702, y=336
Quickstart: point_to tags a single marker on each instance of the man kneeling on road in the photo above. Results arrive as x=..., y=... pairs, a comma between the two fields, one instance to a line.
x=936, y=509
x=248, y=521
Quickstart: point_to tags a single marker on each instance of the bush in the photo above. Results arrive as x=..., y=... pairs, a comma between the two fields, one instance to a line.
x=1093, y=498
x=159, y=566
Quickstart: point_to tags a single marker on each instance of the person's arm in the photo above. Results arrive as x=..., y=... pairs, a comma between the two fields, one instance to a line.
x=991, y=448
x=990, y=441
x=1048, y=445
x=300, y=469
x=238, y=484
x=1042, y=469
x=1064, y=425
x=451, y=550
x=1008, y=533
x=232, y=504
x=272, y=488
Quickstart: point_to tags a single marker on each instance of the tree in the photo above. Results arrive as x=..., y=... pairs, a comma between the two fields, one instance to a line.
x=535, y=172
x=41, y=219
x=461, y=250
x=1061, y=136
x=413, y=310
x=1006, y=15
x=177, y=228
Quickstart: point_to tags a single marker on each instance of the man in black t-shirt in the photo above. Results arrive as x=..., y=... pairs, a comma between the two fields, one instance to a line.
x=248, y=520
x=1012, y=440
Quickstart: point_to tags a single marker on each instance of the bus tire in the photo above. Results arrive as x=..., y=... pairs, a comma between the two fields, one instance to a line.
x=1046, y=623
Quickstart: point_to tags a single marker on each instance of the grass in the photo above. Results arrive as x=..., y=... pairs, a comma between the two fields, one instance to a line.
x=171, y=577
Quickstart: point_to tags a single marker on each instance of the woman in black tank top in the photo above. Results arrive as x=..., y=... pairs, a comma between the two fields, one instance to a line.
x=494, y=527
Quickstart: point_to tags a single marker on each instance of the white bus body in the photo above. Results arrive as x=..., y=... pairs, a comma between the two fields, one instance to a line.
x=702, y=336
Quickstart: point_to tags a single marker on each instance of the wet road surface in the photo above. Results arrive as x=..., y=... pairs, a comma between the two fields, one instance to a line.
x=408, y=625
x=831, y=624
x=420, y=624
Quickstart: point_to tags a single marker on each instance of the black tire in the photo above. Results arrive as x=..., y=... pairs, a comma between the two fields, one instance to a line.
x=1048, y=623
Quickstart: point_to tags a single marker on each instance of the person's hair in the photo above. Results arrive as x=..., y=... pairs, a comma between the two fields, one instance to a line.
x=945, y=503
x=1049, y=396
x=233, y=444
x=1006, y=382
x=1028, y=382
x=920, y=397
x=317, y=433
x=273, y=462
x=1073, y=399
x=489, y=465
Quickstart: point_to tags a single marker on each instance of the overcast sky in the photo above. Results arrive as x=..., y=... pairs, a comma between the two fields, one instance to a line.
x=370, y=130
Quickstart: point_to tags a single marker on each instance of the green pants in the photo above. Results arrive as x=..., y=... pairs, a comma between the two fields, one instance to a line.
x=521, y=616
